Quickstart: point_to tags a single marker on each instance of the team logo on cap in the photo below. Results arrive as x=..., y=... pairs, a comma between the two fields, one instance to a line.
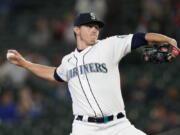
x=93, y=17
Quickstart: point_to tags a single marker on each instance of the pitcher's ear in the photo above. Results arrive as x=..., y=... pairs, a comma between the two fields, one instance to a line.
x=76, y=30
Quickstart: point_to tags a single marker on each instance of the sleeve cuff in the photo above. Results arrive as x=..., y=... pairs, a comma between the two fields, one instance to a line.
x=57, y=77
x=138, y=40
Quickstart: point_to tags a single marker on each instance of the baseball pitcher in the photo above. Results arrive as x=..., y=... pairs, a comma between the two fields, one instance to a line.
x=92, y=74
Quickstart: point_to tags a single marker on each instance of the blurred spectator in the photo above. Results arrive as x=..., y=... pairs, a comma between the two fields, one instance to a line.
x=5, y=8
x=62, y=29
x=173, y=119
x=8, y=110
x=58, y=28
x=41, y=35
x=68, y=34
x=152, y=8
x=154, y=127
x=142, y=25
x=26, y=107
x=96, y=6
x=13, y=74
x=172, y=93
x=177, y=20
x=38, y=58
x=159, y=113
x=139, y=94
x=158, y=117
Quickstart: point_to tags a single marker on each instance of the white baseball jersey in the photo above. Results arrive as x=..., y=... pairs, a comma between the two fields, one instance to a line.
x=93, y=76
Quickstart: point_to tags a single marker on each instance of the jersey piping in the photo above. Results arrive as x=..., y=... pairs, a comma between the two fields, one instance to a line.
x=83, y=89
x=90, y=85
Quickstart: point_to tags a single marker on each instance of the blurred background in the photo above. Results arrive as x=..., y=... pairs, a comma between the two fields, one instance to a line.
x=42, y=31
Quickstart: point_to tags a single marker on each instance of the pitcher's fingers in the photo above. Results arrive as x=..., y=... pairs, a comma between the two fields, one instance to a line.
x=15, y=52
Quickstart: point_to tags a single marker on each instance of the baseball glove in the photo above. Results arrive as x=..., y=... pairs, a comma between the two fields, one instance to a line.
x=160, y=53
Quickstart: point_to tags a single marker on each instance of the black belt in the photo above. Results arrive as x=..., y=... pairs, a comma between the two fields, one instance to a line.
x=101, y=119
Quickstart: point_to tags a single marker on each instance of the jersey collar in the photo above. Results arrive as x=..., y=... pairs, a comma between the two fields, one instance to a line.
x=79, y=53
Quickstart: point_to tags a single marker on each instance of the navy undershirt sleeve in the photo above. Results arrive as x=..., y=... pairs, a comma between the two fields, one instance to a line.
x=57, y=77
x=138, y=40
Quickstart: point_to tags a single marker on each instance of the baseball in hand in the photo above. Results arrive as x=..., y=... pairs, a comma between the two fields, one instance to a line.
x=9, y=54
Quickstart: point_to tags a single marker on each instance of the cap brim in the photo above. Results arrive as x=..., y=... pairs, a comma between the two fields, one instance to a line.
x=99, y=23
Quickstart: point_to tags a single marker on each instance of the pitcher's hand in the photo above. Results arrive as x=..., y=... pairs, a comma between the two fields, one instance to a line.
x=14, y=57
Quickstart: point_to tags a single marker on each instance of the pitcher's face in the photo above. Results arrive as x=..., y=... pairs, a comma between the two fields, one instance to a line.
x=88, y=33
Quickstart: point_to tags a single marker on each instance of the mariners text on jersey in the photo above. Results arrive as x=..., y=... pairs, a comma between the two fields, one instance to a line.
x=87, y=68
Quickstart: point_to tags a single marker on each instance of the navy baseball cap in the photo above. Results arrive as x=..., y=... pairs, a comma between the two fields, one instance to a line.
x=85, y=18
